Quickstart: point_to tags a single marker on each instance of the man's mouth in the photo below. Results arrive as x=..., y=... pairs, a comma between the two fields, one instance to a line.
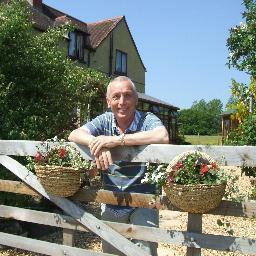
x=122, y=110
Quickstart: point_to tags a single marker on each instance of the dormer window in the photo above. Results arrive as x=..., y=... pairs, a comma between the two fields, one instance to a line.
x=121, y=63
x=76, y=45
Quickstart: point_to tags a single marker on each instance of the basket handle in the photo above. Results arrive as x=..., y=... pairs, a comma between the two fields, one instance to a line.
x=183, y=155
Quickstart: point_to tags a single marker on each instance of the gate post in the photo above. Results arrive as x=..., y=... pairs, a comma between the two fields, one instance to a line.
x=195, y=226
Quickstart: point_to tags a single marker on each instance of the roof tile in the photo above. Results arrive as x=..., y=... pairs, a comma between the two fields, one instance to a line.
x=100, y=30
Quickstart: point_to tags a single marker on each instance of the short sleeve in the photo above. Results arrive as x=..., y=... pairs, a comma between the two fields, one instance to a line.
x=151, y=121
x=95, y=126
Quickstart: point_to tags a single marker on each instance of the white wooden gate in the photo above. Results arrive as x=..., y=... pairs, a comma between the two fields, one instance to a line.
x=114, y=233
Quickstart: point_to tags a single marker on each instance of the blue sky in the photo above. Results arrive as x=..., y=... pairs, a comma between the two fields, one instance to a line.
x=182, y=43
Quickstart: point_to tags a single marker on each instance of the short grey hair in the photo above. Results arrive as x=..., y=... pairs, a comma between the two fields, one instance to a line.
x=121, y=79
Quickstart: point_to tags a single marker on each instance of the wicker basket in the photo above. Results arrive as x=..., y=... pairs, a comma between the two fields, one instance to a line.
x=197, y=198
x=58, y=180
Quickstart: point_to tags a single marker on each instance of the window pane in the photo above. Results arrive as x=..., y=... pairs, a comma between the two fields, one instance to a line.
x=124, y=61
x=72, y=44
x=118, y=61
x=80, y=47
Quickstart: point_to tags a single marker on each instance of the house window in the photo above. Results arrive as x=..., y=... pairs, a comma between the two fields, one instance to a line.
x=76, y=45
x=121, y=62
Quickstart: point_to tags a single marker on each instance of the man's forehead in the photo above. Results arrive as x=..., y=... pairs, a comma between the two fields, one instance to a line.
x=123, y=85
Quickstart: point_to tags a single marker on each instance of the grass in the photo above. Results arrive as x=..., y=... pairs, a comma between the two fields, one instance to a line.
x=203, y=139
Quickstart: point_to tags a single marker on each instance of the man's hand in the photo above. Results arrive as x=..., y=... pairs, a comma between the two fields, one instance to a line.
x=103, y=159
x=97, y=143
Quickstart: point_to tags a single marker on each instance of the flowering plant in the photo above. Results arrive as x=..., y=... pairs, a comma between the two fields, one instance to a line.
x=57, y=152
x=192, y=169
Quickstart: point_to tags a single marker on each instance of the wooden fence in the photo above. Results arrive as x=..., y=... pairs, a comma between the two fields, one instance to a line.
x=116, y=233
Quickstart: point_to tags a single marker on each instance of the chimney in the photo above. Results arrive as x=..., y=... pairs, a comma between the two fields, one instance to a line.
x=36, y=3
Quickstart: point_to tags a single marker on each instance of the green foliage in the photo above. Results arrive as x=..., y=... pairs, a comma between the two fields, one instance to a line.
x=241, y=98
x=253, y=193
x=40, y=88
x=245, y=134
x=226, y=225
x=242, y=41
x=202, y=118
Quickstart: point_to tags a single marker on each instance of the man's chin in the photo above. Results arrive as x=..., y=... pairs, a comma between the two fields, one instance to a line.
x=122, y=115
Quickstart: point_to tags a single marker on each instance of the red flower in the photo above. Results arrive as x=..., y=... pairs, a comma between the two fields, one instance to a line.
x=62, y=152
x=204, y=169
x=38, y=157
x=178, y=165
x=214, y=166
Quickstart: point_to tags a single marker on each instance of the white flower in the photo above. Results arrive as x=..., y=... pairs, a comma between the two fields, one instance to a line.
x=145, y=179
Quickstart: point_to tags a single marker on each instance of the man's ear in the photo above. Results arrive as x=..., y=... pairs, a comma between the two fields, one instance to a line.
x=108, y=102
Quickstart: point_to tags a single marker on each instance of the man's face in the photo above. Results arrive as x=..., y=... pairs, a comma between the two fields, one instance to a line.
x=122, y=100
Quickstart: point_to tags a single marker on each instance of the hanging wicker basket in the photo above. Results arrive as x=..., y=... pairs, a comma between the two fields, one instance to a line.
x=196, y=198
x=58, y=180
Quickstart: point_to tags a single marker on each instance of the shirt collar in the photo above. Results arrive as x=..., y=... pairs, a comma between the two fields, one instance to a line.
x=133, y=126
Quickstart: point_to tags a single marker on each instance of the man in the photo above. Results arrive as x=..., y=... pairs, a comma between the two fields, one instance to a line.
x=124, y=126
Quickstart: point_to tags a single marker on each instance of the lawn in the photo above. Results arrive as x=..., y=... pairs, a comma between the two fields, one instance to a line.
x=203, y=139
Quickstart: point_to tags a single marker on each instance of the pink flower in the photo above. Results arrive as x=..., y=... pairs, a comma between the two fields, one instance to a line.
x=62, y=153
x=178, y=165
x=38, y=157
x=170, y=179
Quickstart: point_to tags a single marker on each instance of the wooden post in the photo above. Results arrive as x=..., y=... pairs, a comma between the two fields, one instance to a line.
x=68, y=236
x=195, y=226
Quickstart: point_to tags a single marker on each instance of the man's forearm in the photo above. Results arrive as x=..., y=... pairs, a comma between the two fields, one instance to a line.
x=80, y=136
x=156, y=136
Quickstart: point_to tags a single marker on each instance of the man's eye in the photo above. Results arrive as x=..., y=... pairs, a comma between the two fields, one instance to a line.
x=114, y=97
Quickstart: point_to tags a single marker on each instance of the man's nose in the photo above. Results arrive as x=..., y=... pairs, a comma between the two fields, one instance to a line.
x=121, y=99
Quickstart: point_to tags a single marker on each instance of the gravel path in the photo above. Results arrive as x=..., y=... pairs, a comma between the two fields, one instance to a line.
x=169, y=220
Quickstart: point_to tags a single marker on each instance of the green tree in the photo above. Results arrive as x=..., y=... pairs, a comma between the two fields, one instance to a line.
x=242, y=41
x=242, y=47
x=203, y=118
x=241, y=99
x=39, y=87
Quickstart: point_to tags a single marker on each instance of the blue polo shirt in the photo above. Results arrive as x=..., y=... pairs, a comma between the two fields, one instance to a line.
x=124, y=176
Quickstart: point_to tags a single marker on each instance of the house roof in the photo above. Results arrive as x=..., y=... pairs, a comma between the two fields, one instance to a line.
x=40, y=20
x=100, y=30
x=154, y=100
x=58, y=15
x=228, y=112
x=47, y=16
